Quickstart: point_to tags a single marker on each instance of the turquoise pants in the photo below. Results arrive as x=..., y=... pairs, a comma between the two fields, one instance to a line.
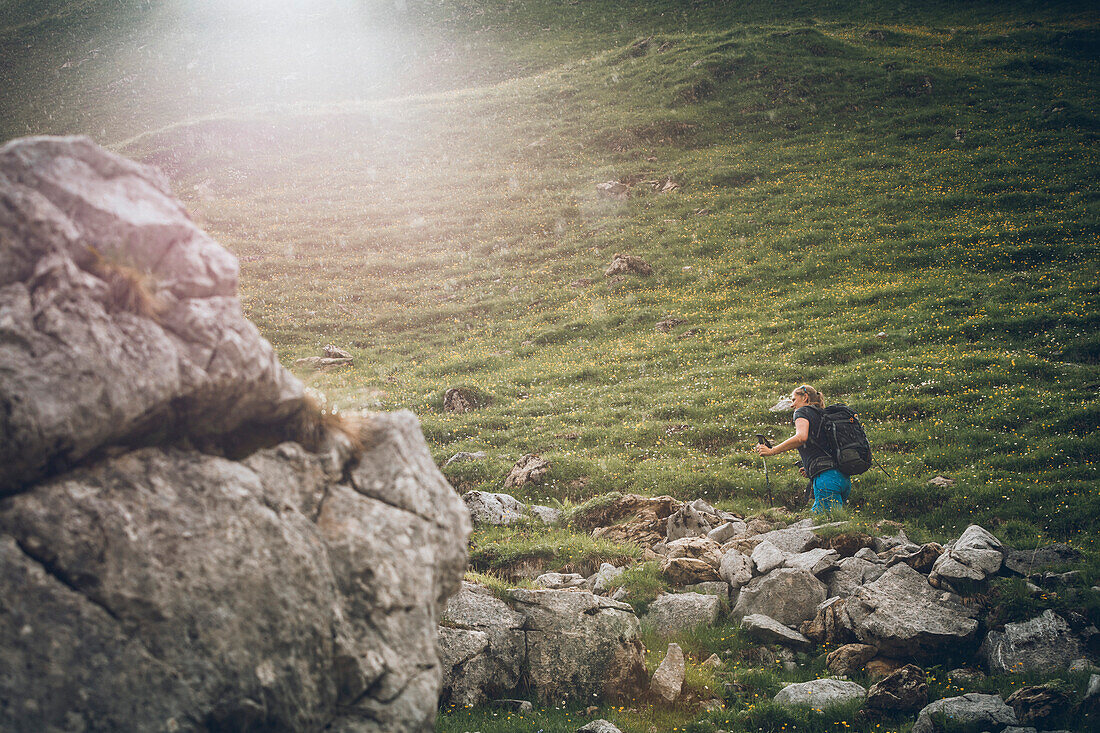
x=831, y=489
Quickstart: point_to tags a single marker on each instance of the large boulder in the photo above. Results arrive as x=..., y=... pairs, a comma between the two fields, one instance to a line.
x=851, y=574
x=789, y=596
x=668, y=678
x=1042, y=644
x=187, y=542
x=119, y=321
x=567, y=644
x=900, y=613
x=769, y=631
x=971, y=712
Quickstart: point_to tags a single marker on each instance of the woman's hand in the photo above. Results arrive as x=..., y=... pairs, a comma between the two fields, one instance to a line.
x=764, y=450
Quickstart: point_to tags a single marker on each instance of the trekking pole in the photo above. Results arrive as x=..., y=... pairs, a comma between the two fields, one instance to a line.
x=767, y=482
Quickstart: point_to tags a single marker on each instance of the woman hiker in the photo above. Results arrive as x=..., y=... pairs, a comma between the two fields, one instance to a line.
x=831, y=487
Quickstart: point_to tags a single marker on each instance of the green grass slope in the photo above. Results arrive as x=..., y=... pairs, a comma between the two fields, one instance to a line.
x=895, y=203
x=896, y=206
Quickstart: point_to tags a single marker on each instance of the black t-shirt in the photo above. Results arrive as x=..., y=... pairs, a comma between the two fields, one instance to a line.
x=814, y=459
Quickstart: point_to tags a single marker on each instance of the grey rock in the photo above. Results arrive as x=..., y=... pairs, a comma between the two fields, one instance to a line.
x=464, y=456
x=851, y=574
x=784, y=405
x=728, y=531
x=789, y=596
x=91, y=369
x=767, y=557
x=713, y=588
x=972, y=558
x=673, y=612
x=568, y=644
x=493, y=508
x=605, y=575
x=599, y=726
x=735, y=568
x=882, y=544
x=545, y=514
x=817, y=562
x=901, y=614
x=1026, y=562
x=868, y=555
x=792, y=540
x=531, y=469
x=668, y=679
x=687, y=522
x=769, y=631
x=1042, y=644
x=197, y=585
x=820, y=694
x=557, y=581
x=1021, y=729
x=849, y=659
x=972, y=711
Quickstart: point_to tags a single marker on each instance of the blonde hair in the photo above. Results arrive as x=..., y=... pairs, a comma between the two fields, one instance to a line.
x=814, y=397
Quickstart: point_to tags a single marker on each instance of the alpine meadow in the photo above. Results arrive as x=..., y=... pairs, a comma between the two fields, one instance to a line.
x=894, y=202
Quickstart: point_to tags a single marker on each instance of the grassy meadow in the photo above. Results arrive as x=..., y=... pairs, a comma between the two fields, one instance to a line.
x=895, y=204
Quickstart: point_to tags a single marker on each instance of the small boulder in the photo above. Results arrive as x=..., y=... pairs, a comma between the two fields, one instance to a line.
x=902, y=691
x=673, y=612
x=769, y=631
x=531, y=469
x=735, y=568
x=460, y=399
x=686, y=522
x=922, y=560
x=851, y=574
x=682, y=571
x=462, y=456
x=817, y=562
x=558, y=581
x=603, y=576
x=613, y=190
x=975, y=556
x=820, y=694
x=849, y=658
x=972, y=711
x=789, y=596
x=628, y=265
x=849, y=543
x=668, y=679
x=792, y=540
x=1038, y=704
x=599, y=726
x=489, y=508
x=1042, y=644
x=728, y=531
x=767, y=557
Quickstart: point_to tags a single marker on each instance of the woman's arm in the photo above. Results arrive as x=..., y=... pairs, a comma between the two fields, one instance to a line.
x=801, y=435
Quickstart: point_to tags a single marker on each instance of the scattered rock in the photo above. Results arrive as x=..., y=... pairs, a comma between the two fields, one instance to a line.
x=974, y=557
x=628, y=265
x=792, y=540
x=789, y=596
x=735, y=568
x=713, y=662
x=613, y=190
x=320, y=363
x=460, y=399
x=850, y=658
x=769, y=631
x=673, y=612
x=489, y=508
x=668, y=679
x=666, y=325
x=681, y=571
x=851, y=574
x=784, y=405
x=830, y=624
x=1026, y=562
x=465, y=456
x=817, y=562
x=727, y=531
x=1043, y=644
x=902, y=691
x=766, y=557
x=335, y=352
x=972, y=711
x=1038, y=704
x=599, y=726
x=687, y=522
x=849, y=543
x=558, y=581
x=603, y=576
x=530, y=469
x=921, y=560
x=942, y=482
x=647, y=518
x=820, y=694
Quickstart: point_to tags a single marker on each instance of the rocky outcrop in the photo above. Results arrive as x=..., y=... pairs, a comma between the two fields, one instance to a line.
x=186, y=542
x=673, y=612
x=786, y=595
x=487, y=507
x=973, y=711
x=567, y=644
